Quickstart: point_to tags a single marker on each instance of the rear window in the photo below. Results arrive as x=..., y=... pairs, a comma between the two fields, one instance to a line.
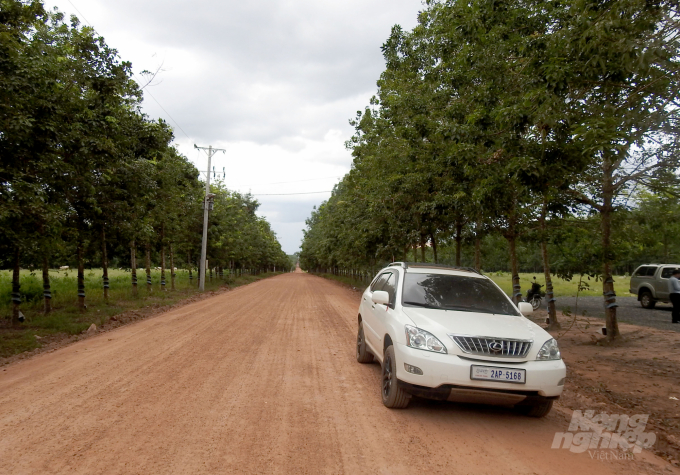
x=646, y=271
x=455, y=292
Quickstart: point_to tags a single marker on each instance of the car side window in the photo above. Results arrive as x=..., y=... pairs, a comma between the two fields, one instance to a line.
x=391, y=288
x=646, y=271
x=380, y=281
x=667, y=272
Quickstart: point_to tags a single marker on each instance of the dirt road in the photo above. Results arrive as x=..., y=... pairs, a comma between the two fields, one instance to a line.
x=259, y=380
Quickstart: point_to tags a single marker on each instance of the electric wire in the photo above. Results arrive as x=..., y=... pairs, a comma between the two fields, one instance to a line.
x=187, y=135
x=289, y=194
x=286, y=182
x=136, y=77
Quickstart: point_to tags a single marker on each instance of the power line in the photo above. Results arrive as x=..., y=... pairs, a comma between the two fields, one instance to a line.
x=286, y=182
x=288, y=194
x=159, y=105
x=81, y=15
x=133, y=73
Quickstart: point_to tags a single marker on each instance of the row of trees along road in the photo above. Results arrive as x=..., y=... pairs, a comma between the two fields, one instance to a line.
x=86, y=177
x=507, y=118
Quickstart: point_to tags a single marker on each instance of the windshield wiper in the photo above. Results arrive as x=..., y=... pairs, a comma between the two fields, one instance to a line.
x=421, y=304
x=469, y=308
x=473, y=308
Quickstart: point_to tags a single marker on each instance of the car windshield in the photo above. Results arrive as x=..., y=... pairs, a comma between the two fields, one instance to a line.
x=455, y=292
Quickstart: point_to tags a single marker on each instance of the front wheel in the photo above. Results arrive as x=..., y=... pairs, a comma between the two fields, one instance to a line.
x=536, y=303
x=646, y=300
x=392, y=395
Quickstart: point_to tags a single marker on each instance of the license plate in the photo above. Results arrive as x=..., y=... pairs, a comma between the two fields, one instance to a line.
x=493, y=373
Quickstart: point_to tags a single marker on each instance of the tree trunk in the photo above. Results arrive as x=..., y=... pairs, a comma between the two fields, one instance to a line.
x=607, y=280
x=422, y=247
x=16, y=287
x=553, y=324
x=415, y=253
x=172, y=269
x=459, y=237
x=162, y=256
x=433, y=236
x=133, y=267
x=478, y=245
x=47, y=293
x=516, y=287
x=81, y=276
x=191, y=276
x=148, y=267
x=105, y=267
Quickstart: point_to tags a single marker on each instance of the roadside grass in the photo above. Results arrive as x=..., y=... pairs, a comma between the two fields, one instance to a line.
x=561, y=287
x=66, y=318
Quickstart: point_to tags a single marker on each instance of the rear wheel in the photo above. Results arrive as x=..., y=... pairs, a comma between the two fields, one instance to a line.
x=363, y=355
x=539, y=409
x=646, y=299
x=392, y=395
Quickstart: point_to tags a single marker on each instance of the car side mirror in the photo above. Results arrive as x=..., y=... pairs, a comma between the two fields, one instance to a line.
x=525, y=308
x=381, y=297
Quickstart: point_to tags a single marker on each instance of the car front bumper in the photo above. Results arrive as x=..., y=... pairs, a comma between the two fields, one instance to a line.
x=448, y=377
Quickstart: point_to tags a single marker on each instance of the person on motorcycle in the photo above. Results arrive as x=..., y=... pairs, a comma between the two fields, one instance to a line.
x=534, y=290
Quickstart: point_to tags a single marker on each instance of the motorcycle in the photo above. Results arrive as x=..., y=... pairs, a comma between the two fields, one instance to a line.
x=535, y=295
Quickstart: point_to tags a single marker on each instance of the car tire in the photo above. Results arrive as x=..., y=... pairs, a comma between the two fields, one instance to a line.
x=363, y=355
x=538, y=409
x=392, y=395
x=646, y=299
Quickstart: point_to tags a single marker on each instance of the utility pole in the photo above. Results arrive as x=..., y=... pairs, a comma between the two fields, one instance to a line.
x=206, y=210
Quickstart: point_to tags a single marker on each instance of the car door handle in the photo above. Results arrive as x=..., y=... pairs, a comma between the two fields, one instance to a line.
x=373, y=306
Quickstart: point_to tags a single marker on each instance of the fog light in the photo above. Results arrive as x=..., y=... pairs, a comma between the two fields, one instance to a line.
x=413, y=369
x=561, y=383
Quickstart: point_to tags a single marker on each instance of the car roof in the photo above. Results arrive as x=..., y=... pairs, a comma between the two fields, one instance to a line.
x=429, y=268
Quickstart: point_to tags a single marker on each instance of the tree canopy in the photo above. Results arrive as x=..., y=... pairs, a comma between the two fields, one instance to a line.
x=508, y=118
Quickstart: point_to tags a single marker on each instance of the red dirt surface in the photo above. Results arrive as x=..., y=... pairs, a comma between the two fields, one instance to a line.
x=262, y=379
x=640, y=374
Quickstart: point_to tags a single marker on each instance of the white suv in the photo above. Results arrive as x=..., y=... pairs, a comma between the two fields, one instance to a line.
x=450, y=333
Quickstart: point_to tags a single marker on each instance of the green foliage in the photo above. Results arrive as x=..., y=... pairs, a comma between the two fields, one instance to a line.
x=84, y=173
x=534, y=121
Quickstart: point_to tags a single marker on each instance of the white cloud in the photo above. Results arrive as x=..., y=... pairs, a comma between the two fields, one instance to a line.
x=273, y=82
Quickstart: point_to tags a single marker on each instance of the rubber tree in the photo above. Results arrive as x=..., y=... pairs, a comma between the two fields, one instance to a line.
x=623, y=87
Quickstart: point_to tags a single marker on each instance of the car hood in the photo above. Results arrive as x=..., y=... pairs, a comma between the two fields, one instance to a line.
x=444, y=322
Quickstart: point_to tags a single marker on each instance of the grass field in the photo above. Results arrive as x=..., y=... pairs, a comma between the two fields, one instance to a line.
x=561, y=287
x=67, y=318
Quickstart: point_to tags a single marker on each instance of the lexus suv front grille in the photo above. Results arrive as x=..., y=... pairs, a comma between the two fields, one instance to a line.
x=489, y=346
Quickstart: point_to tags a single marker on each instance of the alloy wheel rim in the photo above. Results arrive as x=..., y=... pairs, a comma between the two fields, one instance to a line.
x=387, y=377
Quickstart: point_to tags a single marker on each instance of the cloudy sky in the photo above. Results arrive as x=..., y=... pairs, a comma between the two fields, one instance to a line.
x=272, y=82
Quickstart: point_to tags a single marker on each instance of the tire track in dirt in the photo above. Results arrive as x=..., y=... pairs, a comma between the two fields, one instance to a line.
x=259, y=380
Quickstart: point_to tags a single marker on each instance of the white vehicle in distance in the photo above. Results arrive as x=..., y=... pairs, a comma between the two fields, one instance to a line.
x=450, y=333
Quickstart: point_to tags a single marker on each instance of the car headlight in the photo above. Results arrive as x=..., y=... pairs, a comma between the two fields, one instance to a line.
x=422, y=340
x=549, y=351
